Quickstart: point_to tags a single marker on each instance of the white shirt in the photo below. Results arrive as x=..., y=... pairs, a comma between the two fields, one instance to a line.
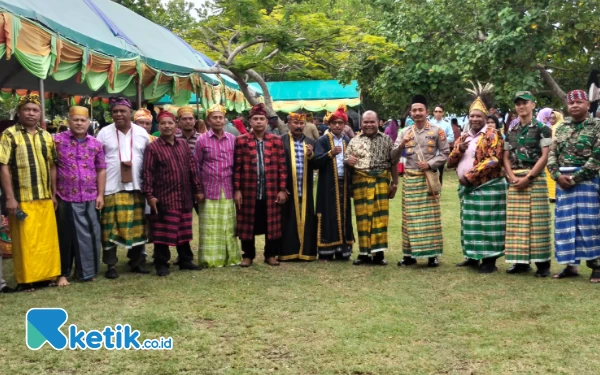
x=112, y=145
x=339, y=158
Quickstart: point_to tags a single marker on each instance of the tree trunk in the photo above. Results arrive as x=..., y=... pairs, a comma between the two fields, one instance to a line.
x=552, y=84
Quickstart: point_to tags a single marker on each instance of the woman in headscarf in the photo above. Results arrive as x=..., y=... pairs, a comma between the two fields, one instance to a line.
x=556, y=119
x=392, y=130
x=544, y=116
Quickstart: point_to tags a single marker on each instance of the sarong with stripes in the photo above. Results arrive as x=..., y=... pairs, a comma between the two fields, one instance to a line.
x=421, y=218
x=577, y=222
x=371, y=204
x=171, y=228
x=483, y=219
x=528, y=223
x=123, y=221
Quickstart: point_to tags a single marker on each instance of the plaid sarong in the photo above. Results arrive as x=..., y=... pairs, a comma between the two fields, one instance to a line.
x=577, y=222
x=483, y=219
x=123, y=220
x=217, y=244
x=528, y=223
x=172, y=228
x=421, y=218
x=371, y=204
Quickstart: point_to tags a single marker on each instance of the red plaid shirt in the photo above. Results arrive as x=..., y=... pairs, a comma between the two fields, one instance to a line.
x=245, y=179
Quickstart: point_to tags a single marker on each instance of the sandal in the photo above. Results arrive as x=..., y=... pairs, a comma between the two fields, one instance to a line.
x=25, y=288
x=595, y=278
x=566, y=272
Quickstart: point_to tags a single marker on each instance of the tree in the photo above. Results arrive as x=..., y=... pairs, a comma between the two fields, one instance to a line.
x=176, y=15
x=546, y=46
x=253, y=38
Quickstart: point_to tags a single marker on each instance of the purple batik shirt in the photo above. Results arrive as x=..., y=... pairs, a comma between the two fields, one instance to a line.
x=215, y=161
x=76, y=179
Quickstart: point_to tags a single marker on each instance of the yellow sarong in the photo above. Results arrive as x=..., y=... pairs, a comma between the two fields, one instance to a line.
x=36, y=255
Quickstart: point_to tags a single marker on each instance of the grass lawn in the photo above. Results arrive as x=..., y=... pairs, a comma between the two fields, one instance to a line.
x=311, y=318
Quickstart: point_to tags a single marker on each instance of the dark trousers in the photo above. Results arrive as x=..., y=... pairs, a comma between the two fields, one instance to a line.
x=441, y=170
x=162, y=254
x=135, y=254
x=260, y=227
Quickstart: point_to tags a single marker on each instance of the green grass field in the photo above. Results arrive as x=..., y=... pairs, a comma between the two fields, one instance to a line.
x=334, y=318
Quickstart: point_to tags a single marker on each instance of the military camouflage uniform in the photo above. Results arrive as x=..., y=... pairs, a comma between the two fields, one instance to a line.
x=524, y=144
x=527, y=211
x=578, y=208
x=576, y=145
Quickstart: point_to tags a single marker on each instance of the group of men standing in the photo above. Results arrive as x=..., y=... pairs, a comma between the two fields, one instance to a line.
x=262, y=183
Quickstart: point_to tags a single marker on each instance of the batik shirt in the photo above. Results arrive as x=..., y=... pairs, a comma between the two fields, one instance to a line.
x=576, y=145
x=373, y=153
x=78, y=162
x=524, y=144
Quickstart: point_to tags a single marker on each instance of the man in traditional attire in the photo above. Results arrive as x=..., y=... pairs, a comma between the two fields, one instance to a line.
x=171, y=180
x=217, y=244
x=527, y=209
x=334, y=218
x=123, y=221
x=574, y=163
x=299, y=229
x=187, y=124
x=426, y=149
x=80, y=188
x=28, y=177
x=143, y=118
x=310, y=129
x=478, y=158
x=369, y=154
x=259, y=181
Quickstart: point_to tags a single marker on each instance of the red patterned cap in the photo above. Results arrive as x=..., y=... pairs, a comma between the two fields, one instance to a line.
x=577, y=95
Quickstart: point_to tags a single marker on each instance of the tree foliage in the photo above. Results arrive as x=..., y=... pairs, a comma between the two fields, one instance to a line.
x=546, y=46
x=176, y=15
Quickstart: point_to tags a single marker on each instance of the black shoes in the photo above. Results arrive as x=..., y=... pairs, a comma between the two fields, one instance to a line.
x=189, y=266
x=7, y=289
x=381, y=262
x=407, y=261
x=518, y=268
x=361, y=261
x=140, y=269
x=111, y=273
x=468, y=262
x=162, y=270
x=433, y=262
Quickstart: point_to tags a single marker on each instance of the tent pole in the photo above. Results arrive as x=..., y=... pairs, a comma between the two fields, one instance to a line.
x=139, y=93
x=197, y=105
x=42, y=104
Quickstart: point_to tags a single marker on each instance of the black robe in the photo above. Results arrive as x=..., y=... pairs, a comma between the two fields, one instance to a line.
x=334, y=229
x=292, y=246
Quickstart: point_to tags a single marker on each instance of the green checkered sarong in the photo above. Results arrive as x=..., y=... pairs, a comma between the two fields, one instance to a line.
x=483, y=219
x=217, y=244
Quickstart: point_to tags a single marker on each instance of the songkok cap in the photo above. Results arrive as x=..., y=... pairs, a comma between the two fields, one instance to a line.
x=524, y=95
x=419, y=99
x=186, y=109
x=77, y=110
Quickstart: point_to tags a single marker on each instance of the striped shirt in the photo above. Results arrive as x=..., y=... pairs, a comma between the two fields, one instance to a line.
x=299, y=152
x=170, y=175
x=261, y=181
x=29, y=157
x=215, y=162
x=191, y=141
